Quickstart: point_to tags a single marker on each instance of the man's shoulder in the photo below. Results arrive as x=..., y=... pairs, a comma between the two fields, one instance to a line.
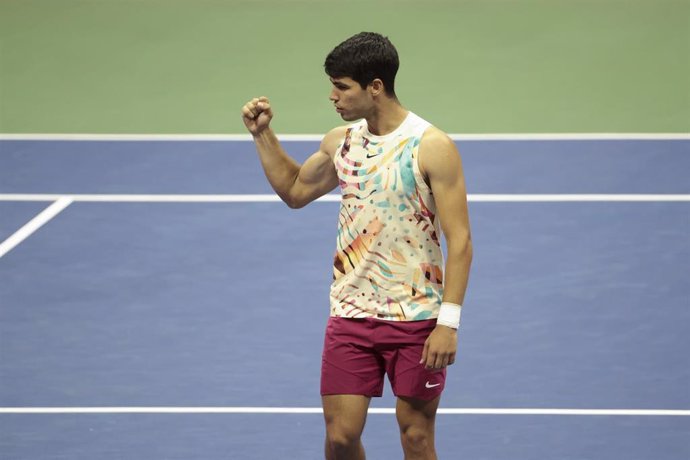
x=337, y=134
x=333, y=138
x=430, y=133
x=338, y=131
x=436, y=138
x=437, y=151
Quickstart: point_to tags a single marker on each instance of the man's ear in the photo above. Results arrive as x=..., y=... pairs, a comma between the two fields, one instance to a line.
x=376, y=87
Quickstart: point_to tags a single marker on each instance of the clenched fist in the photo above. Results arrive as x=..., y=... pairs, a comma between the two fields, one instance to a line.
x=257, y=114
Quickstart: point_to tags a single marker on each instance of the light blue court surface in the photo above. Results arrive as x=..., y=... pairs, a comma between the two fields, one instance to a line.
x=571, y=305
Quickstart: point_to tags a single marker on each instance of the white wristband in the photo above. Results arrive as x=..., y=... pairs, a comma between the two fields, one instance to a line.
x=449, y=315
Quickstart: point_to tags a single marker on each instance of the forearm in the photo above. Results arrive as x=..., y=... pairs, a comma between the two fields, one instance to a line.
x=457, y=270
x=280, y=169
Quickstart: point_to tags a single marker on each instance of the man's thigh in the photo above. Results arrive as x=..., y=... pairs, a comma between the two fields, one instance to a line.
x=345, y=414
x=417, y=414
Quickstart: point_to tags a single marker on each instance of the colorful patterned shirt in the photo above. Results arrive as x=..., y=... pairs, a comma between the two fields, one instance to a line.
x=388, y=262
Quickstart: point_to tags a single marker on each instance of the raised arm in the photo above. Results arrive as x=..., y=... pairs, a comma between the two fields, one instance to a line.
x=297, y=185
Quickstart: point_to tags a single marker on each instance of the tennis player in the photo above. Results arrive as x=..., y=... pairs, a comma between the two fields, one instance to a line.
x=394, y=304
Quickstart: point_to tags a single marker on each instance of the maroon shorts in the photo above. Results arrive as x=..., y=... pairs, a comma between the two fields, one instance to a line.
x=358, y=352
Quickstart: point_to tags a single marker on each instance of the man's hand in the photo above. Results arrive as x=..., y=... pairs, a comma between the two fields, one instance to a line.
x=440, y=348
x=257, y=114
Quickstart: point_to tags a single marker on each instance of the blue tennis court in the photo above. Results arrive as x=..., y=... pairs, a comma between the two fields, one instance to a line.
x=168, y=307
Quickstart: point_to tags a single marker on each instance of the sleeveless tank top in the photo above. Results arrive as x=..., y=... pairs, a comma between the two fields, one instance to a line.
x=388, y=261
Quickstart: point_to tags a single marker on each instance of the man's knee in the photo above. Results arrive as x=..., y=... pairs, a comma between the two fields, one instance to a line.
x=416, y=439
x=343, y=444
x=416, y=420
x=345, y=416
x=340, y=437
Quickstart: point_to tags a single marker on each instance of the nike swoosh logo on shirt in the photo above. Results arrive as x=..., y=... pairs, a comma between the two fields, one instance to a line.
x=429, y=385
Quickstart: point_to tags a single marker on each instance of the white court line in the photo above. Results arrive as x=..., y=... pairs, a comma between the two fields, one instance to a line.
x=318, y=410
x=318, y=137
x=235, y=198
x=34, y=224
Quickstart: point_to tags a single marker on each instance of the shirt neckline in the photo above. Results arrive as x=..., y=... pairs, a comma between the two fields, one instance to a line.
x=374, y=137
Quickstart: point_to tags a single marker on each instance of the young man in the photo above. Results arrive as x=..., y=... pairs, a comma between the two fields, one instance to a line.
x=392, y=312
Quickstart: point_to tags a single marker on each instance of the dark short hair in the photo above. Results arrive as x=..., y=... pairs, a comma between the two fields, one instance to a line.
x=365, y=57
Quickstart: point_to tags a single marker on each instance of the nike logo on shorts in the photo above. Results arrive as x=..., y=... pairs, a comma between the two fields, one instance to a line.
x=430, y=385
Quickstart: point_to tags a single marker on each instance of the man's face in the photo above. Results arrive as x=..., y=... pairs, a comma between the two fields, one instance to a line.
x=350, y=100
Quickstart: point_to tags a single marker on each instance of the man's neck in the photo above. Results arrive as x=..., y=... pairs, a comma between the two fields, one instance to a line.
x=387, y=117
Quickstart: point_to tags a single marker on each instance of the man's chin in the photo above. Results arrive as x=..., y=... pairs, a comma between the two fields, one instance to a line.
x=349, y=117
